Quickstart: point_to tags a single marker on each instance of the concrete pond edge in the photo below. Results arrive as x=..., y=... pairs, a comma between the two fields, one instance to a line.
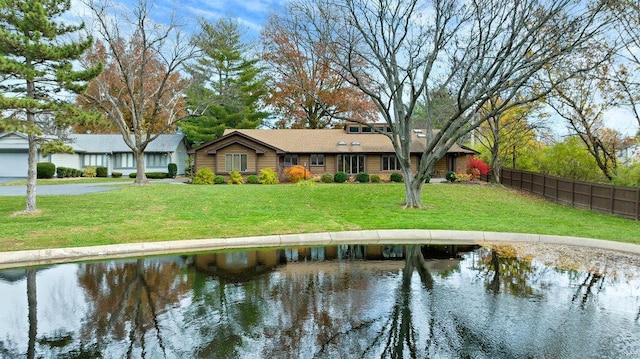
x=391, y=236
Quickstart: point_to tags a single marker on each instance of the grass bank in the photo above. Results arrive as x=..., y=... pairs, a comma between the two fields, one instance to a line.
x=161, y=212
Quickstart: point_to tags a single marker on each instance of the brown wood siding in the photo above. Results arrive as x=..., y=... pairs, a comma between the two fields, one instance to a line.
x=440, y=168
x=236, y=148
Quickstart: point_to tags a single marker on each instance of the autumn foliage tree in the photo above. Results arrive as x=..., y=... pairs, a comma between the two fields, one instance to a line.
x=140, y=93
x=297, y=173
x=306, y=91
x=477, y=167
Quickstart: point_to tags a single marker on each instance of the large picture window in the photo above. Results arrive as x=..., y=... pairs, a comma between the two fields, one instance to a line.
x=390, y=163
x=316, y=160
x=235, y=161
x=290, y=160
x=125, y=160
x=155, y=160
x=94, y=160
x=351, y=164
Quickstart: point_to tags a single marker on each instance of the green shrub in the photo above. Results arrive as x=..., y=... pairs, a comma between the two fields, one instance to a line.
x=76, y=172
x=219, y=180
x=428, y=179
x=327, y=178
x=235, y=177
x=101, y=171
x=340, y=177
x=89, y=172
x=268, y=176
x=172, y=169
x=116, y=174
x=133, y=175
x=252, y=179
x=451, y=176
x=156, y=175
x=64, y=172
x=396, y=177
x=204, y=176
x=375, y=178
x=363, y=177
x=45, y=170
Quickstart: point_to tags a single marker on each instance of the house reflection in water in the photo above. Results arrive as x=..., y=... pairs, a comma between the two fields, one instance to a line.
x=239, y=265
x=260, y=261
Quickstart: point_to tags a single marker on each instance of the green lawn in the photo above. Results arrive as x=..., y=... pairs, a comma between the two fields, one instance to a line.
x=161, y=212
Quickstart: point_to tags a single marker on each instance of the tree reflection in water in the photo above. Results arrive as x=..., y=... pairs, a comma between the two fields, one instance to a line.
x=126, y=300
x=492, y=302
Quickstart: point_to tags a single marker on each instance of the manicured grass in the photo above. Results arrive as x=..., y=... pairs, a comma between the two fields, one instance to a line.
x=163, y=211
x=55, y=181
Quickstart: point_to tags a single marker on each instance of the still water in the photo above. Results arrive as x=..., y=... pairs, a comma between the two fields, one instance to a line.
x=332, y=302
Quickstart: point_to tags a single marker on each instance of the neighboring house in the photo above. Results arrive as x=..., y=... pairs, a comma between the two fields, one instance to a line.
x=356, y=148
x=108, y=150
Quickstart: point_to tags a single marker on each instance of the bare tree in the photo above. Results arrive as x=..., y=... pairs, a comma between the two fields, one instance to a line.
x=626, y=74
x=138, y=91
x=476, y=50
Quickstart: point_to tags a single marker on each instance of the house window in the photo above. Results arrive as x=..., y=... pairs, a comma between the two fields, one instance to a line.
x=366, y=129
x=290, y=160
x=351, y=164
x=94, y=160
x=354, y=129
x=155, y=160
x=390, y=163
x=125, y=160
x=317, y=160
x=236, y=161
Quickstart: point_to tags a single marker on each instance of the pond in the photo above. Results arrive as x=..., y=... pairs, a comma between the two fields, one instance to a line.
x=505, y=301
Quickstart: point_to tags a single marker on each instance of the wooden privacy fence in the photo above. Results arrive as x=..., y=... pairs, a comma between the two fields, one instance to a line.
x=617, y=200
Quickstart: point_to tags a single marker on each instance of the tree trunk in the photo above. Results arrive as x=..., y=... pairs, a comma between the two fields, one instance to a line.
x=32, y=302
x=141, y=177
x=413, y=189
x=31, y=175
x=495, y=164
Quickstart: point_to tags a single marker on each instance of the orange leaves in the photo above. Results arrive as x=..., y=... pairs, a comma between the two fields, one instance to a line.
x=297, y=173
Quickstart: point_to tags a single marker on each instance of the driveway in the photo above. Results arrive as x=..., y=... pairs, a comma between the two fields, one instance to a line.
x=68, y=188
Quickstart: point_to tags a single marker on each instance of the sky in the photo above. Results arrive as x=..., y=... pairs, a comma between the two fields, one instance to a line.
x=251, y=14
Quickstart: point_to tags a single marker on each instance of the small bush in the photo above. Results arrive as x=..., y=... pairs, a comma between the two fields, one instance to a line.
x=268, y=176
x=219, y=180
x=396, y=177
x=340, y=177
x=45, y=170
x=464, y=177
x=133, y=175
x=76, y=173
x=89, y=172
x=172, y=170
x=235, y=178
x=375, y=179
x=363, y=177
x=428, y=179
x=64, y=172
x=252, y=179
x=477, y=167
x=326, y=178
x=451, y=176
x=297, y=173
x=116, y=174
x=101, y=171
x=156, y=175
x=204, y=176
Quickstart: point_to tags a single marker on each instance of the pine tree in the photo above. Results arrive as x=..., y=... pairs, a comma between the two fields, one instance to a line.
x=36, y=71
x=226, y=81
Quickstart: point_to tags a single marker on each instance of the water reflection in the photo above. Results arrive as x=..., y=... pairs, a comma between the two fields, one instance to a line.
x=326, y=302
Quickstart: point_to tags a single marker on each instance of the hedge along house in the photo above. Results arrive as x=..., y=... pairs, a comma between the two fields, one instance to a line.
x=107, y=150
x=354, y=149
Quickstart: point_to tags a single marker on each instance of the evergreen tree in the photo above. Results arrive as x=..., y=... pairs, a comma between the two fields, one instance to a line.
x=36, y=72
x=226, y=81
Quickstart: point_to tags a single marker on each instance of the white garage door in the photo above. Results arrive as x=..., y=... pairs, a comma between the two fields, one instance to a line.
x=13, y=164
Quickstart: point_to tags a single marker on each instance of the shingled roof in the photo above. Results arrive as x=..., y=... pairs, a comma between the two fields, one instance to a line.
x=114, y=143
x=330, y=141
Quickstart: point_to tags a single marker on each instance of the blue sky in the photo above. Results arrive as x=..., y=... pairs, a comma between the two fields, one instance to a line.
x=251, y=14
